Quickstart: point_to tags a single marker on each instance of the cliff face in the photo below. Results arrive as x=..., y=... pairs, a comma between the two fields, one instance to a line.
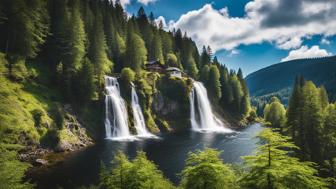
x=171, y=102
x=164, y=101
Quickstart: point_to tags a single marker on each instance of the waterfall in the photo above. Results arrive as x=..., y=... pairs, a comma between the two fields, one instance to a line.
x=139, y=120
x=201, y=115
x=116, y=117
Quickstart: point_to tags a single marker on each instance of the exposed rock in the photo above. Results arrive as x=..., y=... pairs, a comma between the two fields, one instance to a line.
x=40, y=162
x=31, y=154
x=164, y=106
x=73, y=136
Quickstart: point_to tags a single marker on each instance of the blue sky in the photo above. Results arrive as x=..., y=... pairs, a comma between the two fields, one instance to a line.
x=251, y=34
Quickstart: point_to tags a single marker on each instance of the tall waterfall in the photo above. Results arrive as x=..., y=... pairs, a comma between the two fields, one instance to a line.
x=139, y=120
x=201, y=115
x=116, y=117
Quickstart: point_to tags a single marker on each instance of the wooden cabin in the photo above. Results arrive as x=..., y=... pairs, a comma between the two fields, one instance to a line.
x=155, y=66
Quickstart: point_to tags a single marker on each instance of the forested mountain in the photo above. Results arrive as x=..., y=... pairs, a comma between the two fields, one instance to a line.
x=277, y=80
x=55, y=54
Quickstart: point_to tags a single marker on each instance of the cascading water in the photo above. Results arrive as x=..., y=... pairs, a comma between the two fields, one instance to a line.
x=116, y=117
x=139, y=120
x=206, y=121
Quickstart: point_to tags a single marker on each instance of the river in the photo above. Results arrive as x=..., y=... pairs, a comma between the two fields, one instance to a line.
x=169, y=153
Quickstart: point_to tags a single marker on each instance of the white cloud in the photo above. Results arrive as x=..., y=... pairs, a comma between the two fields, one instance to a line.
x=325, y=41
x=146, y=2
x=123, y=2
x=285, y=23
x=233, y=52
x=306, y=52
x=127, y=2
x=163, y=20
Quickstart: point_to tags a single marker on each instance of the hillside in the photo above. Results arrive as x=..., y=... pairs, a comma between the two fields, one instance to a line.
x=278, y=79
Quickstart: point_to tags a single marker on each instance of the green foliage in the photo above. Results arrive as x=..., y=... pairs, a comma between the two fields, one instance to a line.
x=97, y=50
x=157, y=48
x=136, y=52
x=214, y=83
x=25, y=27
x=87, y=88
x=172, y=60
x=75, y=40
x=12, y=170
x=205, y=169
x=18, y=70
x=273, y=167
x=137, y=174
x=204, y=75
x=275, y=113
x=191, y=67
x=127, y=75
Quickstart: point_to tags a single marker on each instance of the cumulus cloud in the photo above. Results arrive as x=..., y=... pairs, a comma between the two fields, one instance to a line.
x=163, y=20
x=306, y=52
x=285, y=23
x=146, y=2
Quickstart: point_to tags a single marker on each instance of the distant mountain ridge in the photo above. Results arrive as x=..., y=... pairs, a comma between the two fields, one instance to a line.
x=281, y=76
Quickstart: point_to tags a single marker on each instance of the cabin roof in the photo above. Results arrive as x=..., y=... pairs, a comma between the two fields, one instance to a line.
x=153, y=62
x=173, y=69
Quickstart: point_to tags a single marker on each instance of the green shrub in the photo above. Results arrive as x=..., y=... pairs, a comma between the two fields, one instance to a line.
x=37, y=116
x=19, y=70
x=127, y=75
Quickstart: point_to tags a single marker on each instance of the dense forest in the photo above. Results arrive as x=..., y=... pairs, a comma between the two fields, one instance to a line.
x=54, y=56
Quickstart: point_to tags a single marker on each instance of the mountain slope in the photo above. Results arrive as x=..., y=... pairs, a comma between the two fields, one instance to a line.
x=280, y=77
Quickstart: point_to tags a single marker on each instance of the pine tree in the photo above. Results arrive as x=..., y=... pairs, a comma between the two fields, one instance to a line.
x=86, y=82
x=323, y=97
x=75, y=42
x=205, y=169
x=136, y=52
x=227, y=96
x=204, y=75
x=237, y=93
x=311, y=122
x=214, y=83
x=294, y=111
x=273, y=167
x=157, y=48
x=329, y=136
x=245, y=102
x=25, y=28
x=205, y=58
x=98, y=50
x=191, y=67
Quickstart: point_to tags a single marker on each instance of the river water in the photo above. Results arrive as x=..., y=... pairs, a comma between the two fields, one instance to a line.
x=169, y=153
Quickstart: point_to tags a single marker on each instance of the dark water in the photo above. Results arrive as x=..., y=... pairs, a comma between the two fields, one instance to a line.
x=169, y=153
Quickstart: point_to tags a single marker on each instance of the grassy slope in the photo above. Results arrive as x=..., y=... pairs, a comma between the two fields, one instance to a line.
x=18, y=101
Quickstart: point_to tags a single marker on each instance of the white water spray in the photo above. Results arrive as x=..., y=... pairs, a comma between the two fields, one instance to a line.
x=207, y=121
x=116, y=117
x=139, y=120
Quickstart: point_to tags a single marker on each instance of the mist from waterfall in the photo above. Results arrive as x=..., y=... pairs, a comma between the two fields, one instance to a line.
x=139, y=120
x=201, y=115
x=116, y=117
